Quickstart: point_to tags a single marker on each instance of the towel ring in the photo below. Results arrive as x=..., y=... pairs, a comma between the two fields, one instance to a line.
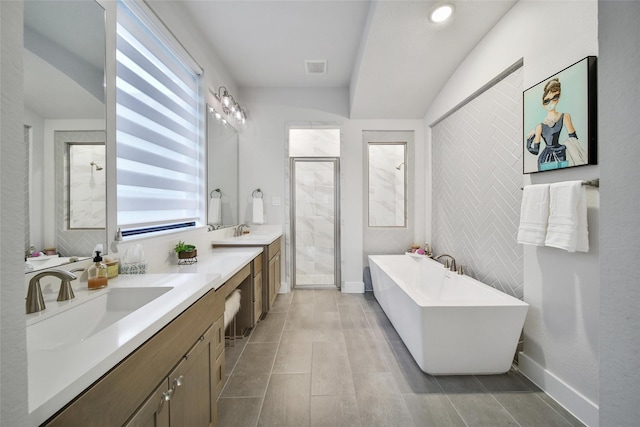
x=217, y=190
x=257, y=190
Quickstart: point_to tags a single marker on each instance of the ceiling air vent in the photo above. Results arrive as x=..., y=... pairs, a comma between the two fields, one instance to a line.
x=315, y=66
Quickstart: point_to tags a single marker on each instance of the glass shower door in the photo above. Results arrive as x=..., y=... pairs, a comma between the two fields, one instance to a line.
x=315, y=222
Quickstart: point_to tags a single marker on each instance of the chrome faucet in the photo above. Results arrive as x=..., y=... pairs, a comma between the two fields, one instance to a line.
x=452, y=266
x=239, y=230
x=35, y=301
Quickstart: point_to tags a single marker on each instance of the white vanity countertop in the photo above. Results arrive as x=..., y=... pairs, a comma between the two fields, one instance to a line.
x=259, y=235
x=57, y=375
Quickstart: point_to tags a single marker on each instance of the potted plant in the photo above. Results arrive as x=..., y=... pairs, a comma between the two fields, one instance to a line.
x=185, y=250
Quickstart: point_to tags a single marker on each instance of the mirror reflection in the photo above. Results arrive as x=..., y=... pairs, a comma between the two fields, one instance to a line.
x=222, y=180
x=387, y=184
x=64, y=61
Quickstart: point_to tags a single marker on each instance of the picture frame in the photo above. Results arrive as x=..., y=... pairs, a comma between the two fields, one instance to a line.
x=560, y=120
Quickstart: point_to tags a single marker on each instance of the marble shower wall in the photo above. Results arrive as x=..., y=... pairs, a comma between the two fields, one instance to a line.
x=88, y=191
x=315, y=223
x=386, y=185
x=78, y=242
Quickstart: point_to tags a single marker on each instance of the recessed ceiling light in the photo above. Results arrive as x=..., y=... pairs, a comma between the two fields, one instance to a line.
x=441, y=13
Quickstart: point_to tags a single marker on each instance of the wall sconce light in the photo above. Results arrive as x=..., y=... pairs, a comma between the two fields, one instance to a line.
x=230, y=107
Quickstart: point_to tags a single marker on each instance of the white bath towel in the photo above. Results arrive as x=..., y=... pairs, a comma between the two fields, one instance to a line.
x=534, y=213
x=567, y=227
x=258, y=210
x=231, y=307
x=214, y=216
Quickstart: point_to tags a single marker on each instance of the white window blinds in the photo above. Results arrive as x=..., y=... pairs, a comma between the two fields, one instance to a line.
x=160, y=161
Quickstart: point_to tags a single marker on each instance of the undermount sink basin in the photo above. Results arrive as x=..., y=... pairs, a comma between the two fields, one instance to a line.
x=84, y=320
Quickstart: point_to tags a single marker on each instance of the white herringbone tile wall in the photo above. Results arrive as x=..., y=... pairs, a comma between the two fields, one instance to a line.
x=477, y=176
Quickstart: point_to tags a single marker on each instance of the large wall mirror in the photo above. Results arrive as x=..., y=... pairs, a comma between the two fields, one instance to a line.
x=64, y=95
x=222, y=170
x=387, y=184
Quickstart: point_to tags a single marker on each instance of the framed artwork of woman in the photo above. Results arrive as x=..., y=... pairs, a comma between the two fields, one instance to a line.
x=560, y=119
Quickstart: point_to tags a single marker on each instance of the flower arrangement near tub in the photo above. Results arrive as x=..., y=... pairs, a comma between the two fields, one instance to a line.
x=187, y=253
x=417, y=250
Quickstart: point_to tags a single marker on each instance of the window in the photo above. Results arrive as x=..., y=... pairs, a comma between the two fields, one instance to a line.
x=387, y=184
x=316, y=142
x=160, y=147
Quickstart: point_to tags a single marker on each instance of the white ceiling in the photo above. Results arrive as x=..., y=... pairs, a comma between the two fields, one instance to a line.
x=386, y=52
x=64, y=59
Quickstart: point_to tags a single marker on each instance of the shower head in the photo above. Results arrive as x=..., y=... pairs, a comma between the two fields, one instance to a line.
x=400, y=165
x=98, y=167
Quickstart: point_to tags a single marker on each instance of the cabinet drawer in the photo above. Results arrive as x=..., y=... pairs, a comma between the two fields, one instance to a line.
x=219, y=376
x=218, y=336
x=231, y=284
x=257, y=265
x=257, y=287
x=257, y=308
x=192, y=386
x=155, y=411
x=257, y=298
x=273, y=249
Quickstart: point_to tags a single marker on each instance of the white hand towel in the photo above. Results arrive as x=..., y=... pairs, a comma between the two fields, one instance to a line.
x=567, y=227
x=534, y=213
x=258, y=210
x=214, y=216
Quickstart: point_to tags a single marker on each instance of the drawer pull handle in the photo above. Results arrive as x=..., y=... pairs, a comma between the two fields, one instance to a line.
x=165, y=397
x=177, y=382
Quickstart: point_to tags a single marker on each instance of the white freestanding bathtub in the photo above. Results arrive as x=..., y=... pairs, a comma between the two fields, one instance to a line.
x=452, y=324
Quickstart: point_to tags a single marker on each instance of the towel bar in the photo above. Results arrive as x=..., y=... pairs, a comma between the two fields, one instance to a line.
x=590, y=183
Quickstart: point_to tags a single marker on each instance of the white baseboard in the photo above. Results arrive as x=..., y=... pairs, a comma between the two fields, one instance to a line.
x=353, y=287
x=568, y=397
x=284, y=288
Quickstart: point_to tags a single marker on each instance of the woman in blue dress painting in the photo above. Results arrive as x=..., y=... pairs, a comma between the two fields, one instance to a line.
x=554, y=155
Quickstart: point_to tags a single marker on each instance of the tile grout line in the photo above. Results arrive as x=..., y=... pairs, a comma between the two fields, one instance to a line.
x=273, y=364
x=387, y=365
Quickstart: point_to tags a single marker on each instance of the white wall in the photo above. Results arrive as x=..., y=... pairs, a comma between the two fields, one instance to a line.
x=561, y=333
x=13, y=352
x=619, y=127
x=263, y=163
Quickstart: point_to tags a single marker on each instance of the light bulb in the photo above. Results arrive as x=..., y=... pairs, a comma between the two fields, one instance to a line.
x=441, y=13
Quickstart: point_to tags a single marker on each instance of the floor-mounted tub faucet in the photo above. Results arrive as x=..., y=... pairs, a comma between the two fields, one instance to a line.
x=35, y=301
x=452, y=266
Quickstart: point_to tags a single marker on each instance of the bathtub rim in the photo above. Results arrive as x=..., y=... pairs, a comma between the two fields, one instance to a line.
x=503, y=299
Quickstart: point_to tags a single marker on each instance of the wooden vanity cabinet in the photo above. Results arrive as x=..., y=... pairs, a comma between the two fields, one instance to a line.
x=274, y=274
x=192, y=386
x=270, y=273
x=173, y=379
x=184, y=397
x=256, y=274
x=155, y=411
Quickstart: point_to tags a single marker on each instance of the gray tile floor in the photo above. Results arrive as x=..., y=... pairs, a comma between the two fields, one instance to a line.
x=323, y=358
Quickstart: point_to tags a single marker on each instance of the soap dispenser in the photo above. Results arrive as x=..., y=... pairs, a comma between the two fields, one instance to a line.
x=97, y=273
